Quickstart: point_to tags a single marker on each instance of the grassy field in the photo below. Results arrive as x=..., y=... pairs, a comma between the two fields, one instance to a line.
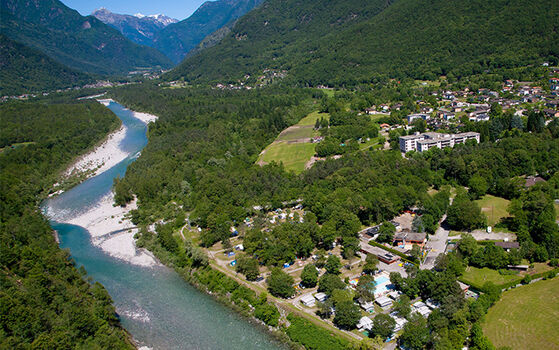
x=288, y=146
x=294, y=156
x=526, y=317
x=479, y=277
x=495, y=208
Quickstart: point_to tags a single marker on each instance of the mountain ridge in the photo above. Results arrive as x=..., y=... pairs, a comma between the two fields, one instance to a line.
x=82, y=43
x=25, y=70
x=340, y=43
x=177, y=39
x=139, y=28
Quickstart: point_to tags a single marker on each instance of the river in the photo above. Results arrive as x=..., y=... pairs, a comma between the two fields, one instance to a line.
x=156, y=306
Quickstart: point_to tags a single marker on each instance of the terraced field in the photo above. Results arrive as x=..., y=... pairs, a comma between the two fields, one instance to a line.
x=293, y=145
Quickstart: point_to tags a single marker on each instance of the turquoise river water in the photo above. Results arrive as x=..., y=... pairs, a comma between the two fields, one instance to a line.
x=156, y=306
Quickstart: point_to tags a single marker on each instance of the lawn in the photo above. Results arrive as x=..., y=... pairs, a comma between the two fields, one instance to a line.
x=495, y=208
x=294, y=156
x=526, y=317
x=479, y=277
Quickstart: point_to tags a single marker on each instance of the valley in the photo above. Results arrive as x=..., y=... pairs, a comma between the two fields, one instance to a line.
x=279, y=174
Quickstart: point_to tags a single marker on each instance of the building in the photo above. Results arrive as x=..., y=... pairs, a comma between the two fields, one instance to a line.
x=413, y=117
x=388, y=258
x=321, y=297
x=423, y=142
x=368, y=306
x=532, y=180
x=508, y=245
x=365, y=323
x=308, y=300
x=408, y=239
x=384, y=302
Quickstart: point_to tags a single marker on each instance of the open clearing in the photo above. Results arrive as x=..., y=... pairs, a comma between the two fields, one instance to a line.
x=293, y=145
x=495, y=208
x=526, y=317
x=479, y=277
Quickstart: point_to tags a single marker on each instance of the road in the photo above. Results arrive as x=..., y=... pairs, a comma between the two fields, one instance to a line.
x=437, y=246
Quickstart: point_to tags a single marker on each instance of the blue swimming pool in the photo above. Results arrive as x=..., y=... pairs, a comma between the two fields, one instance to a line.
x=381, y=280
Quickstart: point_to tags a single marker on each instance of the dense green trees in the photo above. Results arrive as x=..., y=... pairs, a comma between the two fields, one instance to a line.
x=309, y=276
x=347, y=314
x=465, y=214
x=45, y=301
x=248, y=267
x=383, y=326
x=280, y=284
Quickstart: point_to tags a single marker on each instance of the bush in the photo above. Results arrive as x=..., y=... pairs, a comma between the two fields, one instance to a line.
x=267, y=313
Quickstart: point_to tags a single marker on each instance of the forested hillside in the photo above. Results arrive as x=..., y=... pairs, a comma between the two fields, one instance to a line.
x=340, y=42
x=83, y=43
x=177, y=39
x=44, y=300
x=24, y=70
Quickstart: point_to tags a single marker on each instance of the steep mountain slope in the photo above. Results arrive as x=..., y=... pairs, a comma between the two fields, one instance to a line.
x=177, y=39
x=342, y=42
x=24, y=70
x=83, y=43
x=138, y=28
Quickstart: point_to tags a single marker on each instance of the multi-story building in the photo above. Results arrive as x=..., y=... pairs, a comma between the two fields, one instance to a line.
x=423, y=142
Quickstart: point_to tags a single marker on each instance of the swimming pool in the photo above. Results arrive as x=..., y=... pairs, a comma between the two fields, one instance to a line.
x=381, y=280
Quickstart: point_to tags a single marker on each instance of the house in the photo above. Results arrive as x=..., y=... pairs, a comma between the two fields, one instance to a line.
x=508, y=245
x=463, y=286
x=321, y=297
x=388, y=258
x=550, y=113
x=410, y=118
x=532, y=180
x=421, y=308
x=365, y=323
x=400, y=323
x=384, y=302
x=410, y=238
x=368, y=306
x=394, y=295
x=370, y=110
x=308, y=300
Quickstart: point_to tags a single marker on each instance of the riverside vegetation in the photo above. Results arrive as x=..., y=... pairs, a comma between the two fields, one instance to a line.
x=46, y=302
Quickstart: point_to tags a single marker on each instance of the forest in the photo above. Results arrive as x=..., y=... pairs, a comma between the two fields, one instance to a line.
x=45, y=301
x=349, y=43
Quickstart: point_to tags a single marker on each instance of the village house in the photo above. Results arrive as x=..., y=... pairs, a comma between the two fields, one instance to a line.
x=408, y=239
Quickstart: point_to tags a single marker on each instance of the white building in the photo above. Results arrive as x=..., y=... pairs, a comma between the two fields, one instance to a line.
x=384, y=302
x=308, y=300
x=321, y=297
x=423, y=142
x=413, y=117
x=365, y=323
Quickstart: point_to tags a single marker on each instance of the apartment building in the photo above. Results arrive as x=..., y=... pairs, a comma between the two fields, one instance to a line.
x=423, y=142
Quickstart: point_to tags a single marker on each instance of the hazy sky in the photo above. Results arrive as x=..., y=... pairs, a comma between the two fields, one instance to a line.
x=179, y=9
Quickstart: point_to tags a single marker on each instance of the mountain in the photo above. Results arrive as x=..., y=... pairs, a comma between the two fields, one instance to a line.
x=25, y=70
x=139, y=28
x=348, y=42
x=82, y=43
x=177, y=39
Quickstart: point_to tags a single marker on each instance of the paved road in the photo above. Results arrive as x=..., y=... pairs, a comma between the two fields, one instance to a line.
x=437, y=244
